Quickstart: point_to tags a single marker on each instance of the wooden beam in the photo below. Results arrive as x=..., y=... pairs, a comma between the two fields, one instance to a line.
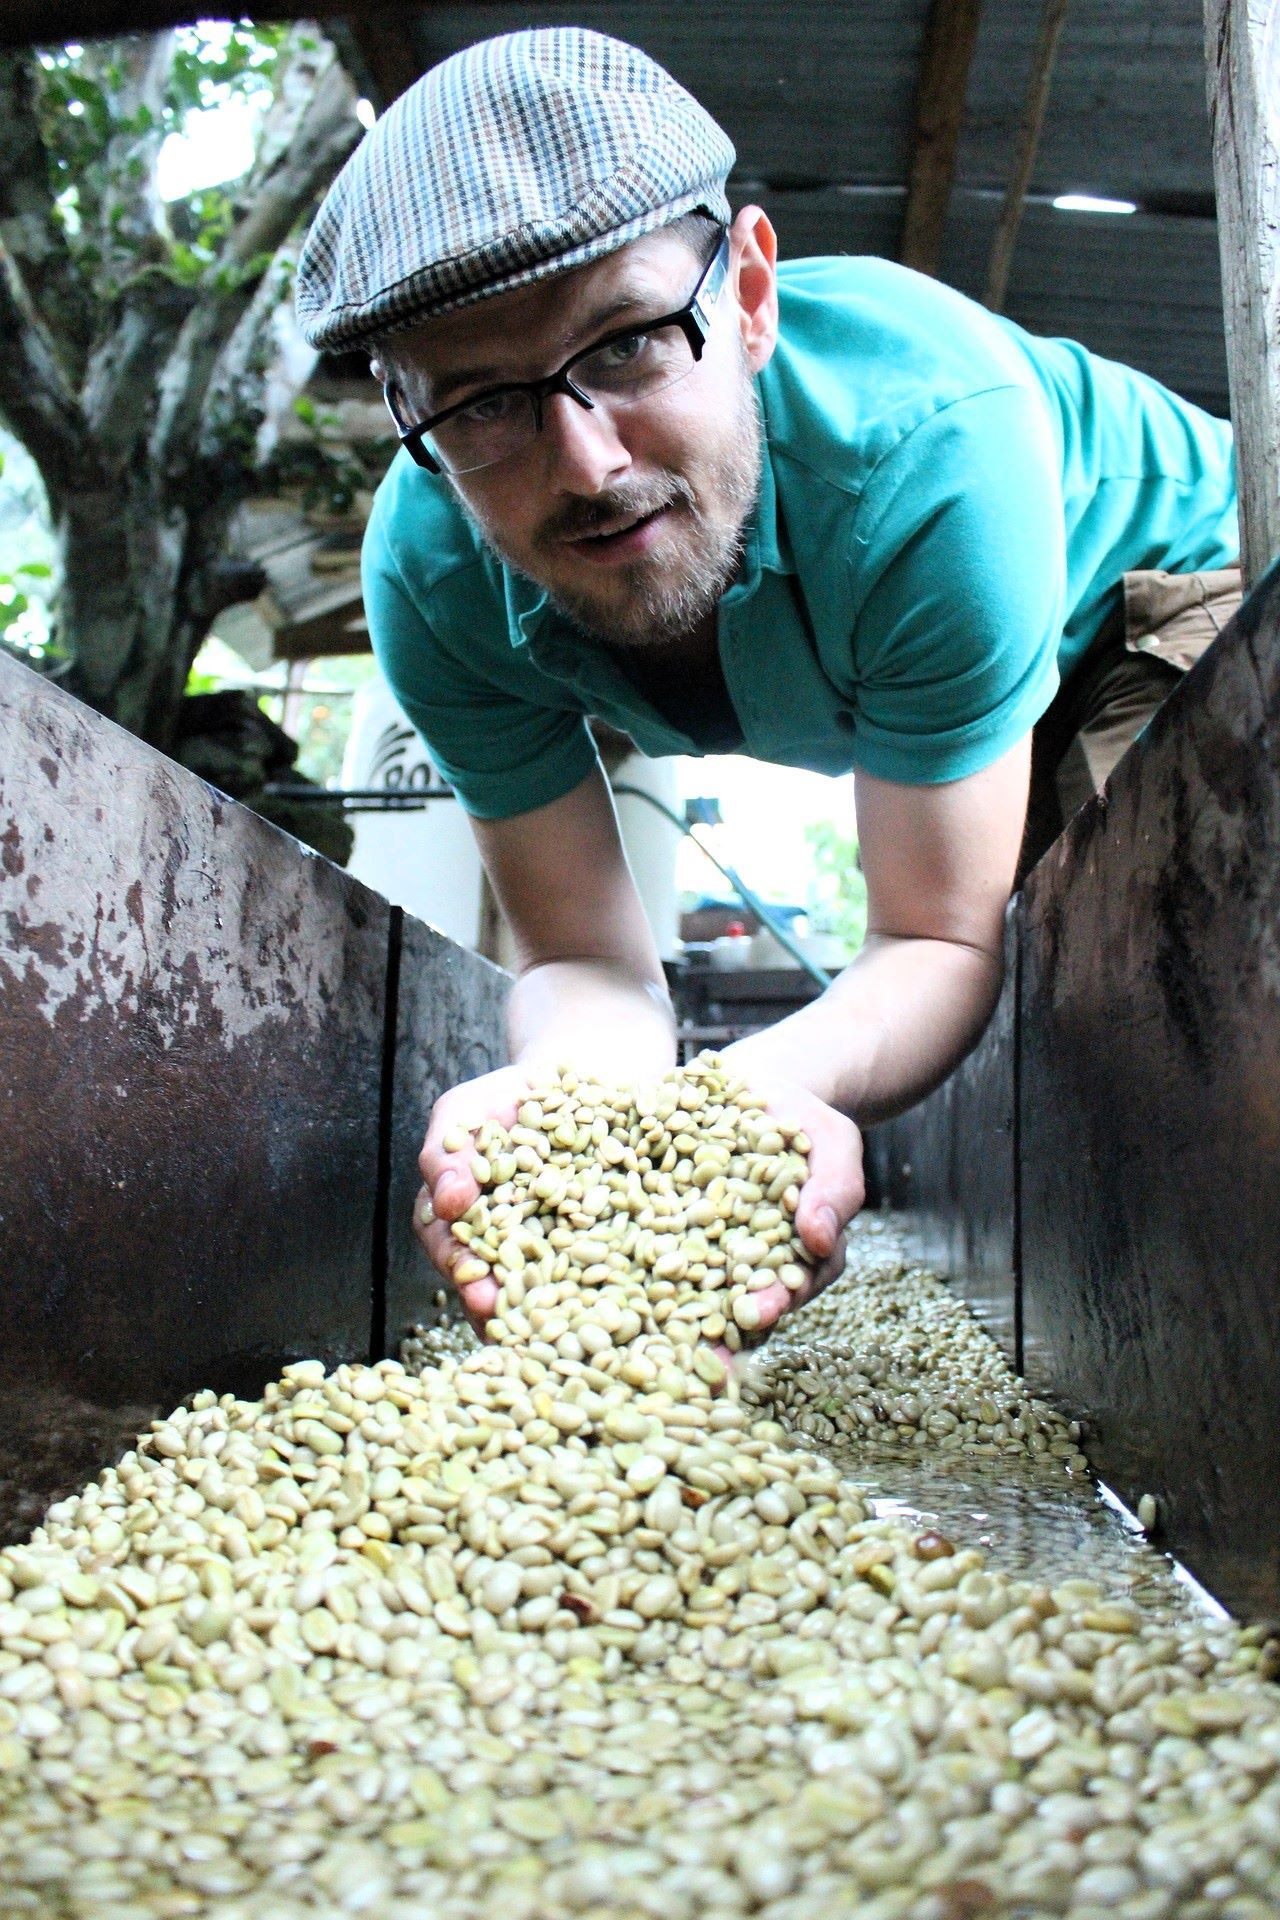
x=1030, y=128
x=385, y=45
x=1242, y=47
x=950, y=36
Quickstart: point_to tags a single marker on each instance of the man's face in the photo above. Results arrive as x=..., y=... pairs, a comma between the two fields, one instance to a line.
x=630, y=517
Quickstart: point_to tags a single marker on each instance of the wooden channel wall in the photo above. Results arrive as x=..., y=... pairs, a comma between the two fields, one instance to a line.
x=1102, y=1176
x=217, y=1056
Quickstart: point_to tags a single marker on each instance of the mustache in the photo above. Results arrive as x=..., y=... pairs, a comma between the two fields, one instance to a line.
x=579, y=518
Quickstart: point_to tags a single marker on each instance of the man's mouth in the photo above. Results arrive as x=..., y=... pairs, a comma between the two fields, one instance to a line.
x=622, y=536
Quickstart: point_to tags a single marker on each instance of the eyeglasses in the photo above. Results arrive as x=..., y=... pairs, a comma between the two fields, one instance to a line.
x=617, y=371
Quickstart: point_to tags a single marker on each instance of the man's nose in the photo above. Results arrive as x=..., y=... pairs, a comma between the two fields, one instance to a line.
x=582, y=444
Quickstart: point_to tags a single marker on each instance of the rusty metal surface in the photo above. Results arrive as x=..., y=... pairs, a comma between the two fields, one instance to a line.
x=948, y=1164
x=983, y=1250
x=910, y=1169
x=449, y=1028
x=1151, y=1115
x=191, y=1022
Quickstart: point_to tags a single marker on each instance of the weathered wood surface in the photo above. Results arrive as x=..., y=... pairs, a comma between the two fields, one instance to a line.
x=1242, y=44
x=1150, y=1115
x=811, y=92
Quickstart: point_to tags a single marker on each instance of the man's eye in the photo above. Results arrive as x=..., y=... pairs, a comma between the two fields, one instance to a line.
x=621, y=354
x=487, y=409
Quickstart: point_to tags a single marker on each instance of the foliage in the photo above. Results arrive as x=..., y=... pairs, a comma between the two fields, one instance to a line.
x=102, y=142
x=839, y=893
x=325, y=724
x=26, y=576
x=22, y=630
x=143, y=358
x=322, y=468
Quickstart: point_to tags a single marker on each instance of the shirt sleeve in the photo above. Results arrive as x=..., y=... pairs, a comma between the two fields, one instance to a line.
x=960, y=549
x=502, y=753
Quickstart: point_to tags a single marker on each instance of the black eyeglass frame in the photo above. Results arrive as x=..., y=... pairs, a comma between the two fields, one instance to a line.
x=693, y=320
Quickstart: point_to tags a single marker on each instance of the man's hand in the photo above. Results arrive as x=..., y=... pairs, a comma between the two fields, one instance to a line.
x=451, y=1187
x=829, y=1198
x=833, y=1191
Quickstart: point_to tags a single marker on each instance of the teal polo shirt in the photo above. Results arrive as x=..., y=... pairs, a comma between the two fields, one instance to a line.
x=947, y=506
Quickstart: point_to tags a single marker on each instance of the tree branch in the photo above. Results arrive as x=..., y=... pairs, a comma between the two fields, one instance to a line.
x=30, y=227
x=256, y=374
x=119, y=387
x=308, y=134
x=135, y=74
x=36, y=399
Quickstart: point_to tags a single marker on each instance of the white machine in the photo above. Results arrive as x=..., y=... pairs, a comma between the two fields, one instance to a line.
x=425, y=860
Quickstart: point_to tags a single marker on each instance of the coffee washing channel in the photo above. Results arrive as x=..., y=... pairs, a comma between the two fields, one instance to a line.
x=586, y=1619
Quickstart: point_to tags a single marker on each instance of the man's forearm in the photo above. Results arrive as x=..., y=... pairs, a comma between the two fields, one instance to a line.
x=887, y=1030
x=606, y=1018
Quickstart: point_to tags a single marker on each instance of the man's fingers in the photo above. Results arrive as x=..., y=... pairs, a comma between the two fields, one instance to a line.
x=452, y=1185
x=455, y=1189
x=440, y=1247
x=459, y=1115
x=833, y=1190
x=830, y=1269
x=773, y=1301
x=479, y=1297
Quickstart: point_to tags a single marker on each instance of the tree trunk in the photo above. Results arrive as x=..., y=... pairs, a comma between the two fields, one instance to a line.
x=138, y=594
x=142, y=416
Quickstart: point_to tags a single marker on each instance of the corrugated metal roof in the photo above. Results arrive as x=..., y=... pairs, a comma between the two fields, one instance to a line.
x=819, y=99
x=1127, y=113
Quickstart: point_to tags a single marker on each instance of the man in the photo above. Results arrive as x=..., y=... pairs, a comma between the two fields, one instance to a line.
x=831, y=514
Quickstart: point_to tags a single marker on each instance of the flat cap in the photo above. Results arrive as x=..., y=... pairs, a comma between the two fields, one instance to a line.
x=514, y=159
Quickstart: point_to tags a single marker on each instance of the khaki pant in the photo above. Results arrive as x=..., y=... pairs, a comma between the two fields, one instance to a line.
x=1166, y=622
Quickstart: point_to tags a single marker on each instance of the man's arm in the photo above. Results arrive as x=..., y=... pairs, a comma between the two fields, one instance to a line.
x=590, y=990
x=939, y=864
x=589, y=982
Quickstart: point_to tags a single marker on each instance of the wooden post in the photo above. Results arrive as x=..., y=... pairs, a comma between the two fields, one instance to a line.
x=1029, y=130
x=1242, y=48
x=385, y=44
x=949, y=40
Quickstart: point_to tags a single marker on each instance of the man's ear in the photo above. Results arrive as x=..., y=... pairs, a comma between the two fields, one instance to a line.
x=753, y=264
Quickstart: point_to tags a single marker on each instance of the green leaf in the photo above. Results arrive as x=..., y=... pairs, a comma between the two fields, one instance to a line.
x=202, y=683
x=12, y=604
x=36, y=569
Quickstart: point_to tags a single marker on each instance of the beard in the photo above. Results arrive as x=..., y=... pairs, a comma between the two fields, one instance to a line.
x=657, y=600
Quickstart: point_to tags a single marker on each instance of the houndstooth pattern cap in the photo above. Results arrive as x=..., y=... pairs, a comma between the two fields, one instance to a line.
x=512, y=160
